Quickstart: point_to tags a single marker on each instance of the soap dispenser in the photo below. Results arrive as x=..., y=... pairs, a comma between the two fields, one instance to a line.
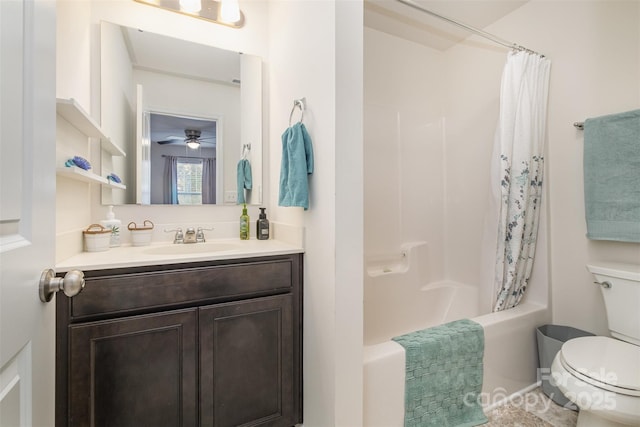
x=262, y=226
x=114, y=225
x=244, y=224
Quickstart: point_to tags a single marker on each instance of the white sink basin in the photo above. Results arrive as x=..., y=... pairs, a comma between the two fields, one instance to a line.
x=191, y=248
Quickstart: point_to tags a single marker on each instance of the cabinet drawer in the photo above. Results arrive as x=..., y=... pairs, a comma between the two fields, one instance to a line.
x=129, y=293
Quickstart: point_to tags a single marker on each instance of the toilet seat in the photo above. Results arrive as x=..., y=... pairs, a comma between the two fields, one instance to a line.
x=604, y=362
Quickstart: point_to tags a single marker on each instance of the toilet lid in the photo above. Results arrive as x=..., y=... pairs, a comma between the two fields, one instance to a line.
x=604, y=362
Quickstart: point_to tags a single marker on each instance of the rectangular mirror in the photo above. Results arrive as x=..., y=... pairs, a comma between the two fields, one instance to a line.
x=183, y=113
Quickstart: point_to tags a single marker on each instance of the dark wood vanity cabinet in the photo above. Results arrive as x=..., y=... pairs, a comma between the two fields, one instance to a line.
x=201, y=344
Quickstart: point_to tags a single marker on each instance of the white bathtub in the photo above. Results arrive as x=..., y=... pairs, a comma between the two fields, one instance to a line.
x=391, y=309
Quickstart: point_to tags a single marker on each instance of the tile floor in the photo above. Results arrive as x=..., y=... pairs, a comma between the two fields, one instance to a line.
x=534, y=409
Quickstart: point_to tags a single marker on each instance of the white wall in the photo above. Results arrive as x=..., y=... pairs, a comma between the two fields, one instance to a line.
x=594, y=48
x=73, y=41
x=316, y=53
x=117, y=111
x=72, y=81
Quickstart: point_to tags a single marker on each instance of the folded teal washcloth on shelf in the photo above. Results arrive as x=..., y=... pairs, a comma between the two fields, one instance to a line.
x=444, y=375
x=245, y=180
x=612, y=177
x=297, y=164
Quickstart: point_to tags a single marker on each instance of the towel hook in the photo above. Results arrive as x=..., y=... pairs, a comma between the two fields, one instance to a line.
x=300, y=103
x=246, y=148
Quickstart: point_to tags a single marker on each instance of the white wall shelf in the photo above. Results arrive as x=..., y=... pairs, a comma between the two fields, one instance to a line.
x=112, y=184
x=112, y=148
x=81, y=175
x=73, y=112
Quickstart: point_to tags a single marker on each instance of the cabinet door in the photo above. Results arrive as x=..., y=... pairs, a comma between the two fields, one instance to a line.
x=135, y=371
x=246, y=363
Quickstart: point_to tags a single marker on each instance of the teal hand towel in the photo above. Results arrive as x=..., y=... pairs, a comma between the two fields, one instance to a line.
x=245, y=180
x=612, y=177
x=444, y=375
x=297, y=164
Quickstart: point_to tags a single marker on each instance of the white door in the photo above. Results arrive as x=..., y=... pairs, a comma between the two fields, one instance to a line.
x=27, y=210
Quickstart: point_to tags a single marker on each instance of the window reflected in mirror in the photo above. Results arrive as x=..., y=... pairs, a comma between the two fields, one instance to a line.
x=184, y=160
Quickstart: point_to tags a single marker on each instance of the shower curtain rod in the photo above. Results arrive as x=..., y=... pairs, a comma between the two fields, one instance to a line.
x=479, y=32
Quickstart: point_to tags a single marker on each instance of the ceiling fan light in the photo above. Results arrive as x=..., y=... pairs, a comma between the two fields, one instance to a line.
x=190, y=6
x=230, y=10
x=194, y=144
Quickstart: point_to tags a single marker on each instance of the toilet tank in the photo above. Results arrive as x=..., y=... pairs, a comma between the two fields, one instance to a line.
x=622, y=299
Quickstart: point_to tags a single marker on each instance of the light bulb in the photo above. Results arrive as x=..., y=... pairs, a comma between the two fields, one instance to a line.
x=191, y=6
x=194, y=144
x=230, y=10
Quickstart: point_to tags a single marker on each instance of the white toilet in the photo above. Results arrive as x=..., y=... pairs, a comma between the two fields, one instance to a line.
x=601, y=375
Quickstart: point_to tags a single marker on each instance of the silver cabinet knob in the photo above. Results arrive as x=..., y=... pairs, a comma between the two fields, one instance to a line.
x=71, y=284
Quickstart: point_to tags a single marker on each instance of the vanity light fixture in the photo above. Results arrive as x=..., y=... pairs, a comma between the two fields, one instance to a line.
x=191, y=6
x=224, y=12
x=230, y=10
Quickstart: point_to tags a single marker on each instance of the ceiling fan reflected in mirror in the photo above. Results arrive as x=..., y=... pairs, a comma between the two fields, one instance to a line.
x=191, y=139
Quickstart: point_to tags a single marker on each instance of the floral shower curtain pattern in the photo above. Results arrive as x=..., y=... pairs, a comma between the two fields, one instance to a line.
x=520, y=143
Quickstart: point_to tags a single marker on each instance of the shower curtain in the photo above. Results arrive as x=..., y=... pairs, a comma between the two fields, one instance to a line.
x=519, y=161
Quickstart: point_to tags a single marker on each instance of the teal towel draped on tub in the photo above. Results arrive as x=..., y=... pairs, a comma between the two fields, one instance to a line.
x=444, y=375
x=297, y=163
x=612, y=177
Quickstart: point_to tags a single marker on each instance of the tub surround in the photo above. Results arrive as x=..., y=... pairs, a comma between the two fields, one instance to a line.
x=399, y=298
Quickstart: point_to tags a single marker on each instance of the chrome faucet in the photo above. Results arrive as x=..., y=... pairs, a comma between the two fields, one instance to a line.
x=190, y=235
x=200, y=234
x=179, y=236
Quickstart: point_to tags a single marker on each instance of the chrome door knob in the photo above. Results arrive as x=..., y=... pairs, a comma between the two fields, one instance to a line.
x=71, y=284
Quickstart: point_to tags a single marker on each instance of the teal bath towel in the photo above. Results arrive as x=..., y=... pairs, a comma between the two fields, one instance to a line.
x=245, y=181
x=297, y=163
x=444, y=375
x=612, y=177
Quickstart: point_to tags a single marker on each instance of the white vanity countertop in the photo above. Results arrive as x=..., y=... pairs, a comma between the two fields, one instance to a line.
x=136, y=256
